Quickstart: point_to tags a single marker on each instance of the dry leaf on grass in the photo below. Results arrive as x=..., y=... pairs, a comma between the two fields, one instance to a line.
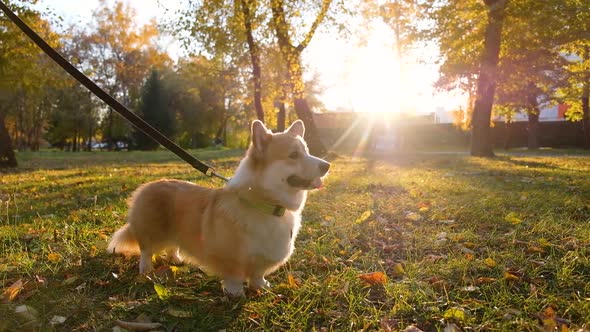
x=57, y=320
x=53, y=257
x=457, y=314
x=510, y=277
x=489, y=262
x=135, y=326
x=398, y=270
x=512, y=218
x=374, y=278
x=12, y=292
x=292, y=282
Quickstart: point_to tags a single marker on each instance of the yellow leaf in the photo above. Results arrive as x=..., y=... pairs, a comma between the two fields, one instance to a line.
x=455, y=313
x=11, y=292
x=512, y=218
x=489, y=262
x=53, y=257
x=93, y=251
x=510, y=277
x=485, y=280
x=291, y=281
x=162, y=292
x=374, y=278
x=363, y=217
x=398, y=269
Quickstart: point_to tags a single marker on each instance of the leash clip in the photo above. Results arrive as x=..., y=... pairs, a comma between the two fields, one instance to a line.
x=212, y=173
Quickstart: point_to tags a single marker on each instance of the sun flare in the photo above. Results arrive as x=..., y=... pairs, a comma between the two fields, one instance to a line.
x=372, y=78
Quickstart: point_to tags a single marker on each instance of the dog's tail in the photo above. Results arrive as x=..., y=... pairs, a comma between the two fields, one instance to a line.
x=124, y=242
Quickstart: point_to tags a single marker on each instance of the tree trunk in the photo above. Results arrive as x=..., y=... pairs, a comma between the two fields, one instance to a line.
x=586, y=114
x=7, y=157
x=508, y=135
x=481, y=139
x=281, y=115
x=109, y=131
x=292, y=56
x=533, y=129
x=254, y=58
x=302, y=109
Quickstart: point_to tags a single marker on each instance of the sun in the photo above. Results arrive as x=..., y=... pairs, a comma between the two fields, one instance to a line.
x=374, y=80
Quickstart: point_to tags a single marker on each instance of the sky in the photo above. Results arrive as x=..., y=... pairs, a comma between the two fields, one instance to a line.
x=355, y=76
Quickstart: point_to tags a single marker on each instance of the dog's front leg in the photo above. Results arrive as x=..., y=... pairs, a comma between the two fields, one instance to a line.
x=258, y=282
x=233, y=287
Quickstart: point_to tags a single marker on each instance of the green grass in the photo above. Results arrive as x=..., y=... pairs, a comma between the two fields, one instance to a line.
x=497, y=244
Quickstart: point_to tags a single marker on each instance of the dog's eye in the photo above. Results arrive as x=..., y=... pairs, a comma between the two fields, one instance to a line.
x=294, y=155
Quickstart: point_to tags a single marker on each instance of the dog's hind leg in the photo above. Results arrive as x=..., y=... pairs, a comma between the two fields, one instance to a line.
x=145, y=261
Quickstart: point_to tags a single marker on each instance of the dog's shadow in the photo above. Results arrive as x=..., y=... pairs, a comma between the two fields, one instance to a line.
x=105, y=288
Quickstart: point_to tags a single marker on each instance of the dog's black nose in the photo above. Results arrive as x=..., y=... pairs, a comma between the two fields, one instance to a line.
x=324, y=167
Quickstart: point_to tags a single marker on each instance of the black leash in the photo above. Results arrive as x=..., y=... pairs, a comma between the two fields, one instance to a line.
x=138, y=122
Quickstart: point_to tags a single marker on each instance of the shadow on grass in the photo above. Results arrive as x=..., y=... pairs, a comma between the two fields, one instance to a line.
x=105, y=288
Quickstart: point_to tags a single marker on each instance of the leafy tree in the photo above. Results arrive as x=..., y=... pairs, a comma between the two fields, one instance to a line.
x=119, y=55
x=23, y=82
x=154, y=110
x=285, y=32
x=225, y=29
x=199, y=94
x=531, y=67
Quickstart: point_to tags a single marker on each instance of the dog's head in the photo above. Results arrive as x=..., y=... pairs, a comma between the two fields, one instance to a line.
x=285, y=159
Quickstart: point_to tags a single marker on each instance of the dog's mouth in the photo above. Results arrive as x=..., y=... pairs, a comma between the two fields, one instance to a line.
x=298, y=182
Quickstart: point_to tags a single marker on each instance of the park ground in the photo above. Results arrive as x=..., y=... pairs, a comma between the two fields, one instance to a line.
x=435, y=241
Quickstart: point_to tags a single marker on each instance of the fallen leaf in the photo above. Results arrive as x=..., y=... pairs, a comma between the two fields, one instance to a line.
x=512, y=218
x=291, y=281
x=510, y=277
x=489, y=262
x=162, y=292
x=179, y=313
x=434, y=258
x=413, y=216
x=470, y=288
x=398, y=269
x=53, y=257
x=485, y=280
x=455, y=313
x=388, y=324
x=363, y=217
x=12, y=292
x=535, y=250
x=57, y=320
x=374, y=278
x=134, y=326
x=412, y=328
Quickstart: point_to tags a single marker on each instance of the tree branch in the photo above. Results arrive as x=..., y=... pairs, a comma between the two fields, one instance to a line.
x=315, y=25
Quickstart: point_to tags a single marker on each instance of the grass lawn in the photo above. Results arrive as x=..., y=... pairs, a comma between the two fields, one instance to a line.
x=431, y=240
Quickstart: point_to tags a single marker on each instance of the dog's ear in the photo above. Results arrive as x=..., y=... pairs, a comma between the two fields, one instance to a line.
x=260, y=136
x=297, y=128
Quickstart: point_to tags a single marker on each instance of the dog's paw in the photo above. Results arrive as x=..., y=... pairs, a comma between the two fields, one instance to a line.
x=233, y=288
x=260, y=283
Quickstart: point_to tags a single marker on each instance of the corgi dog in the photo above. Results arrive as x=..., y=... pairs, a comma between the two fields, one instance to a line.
x=241, y=232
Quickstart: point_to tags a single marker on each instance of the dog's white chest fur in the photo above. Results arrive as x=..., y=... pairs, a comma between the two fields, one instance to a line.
x=271, y=239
